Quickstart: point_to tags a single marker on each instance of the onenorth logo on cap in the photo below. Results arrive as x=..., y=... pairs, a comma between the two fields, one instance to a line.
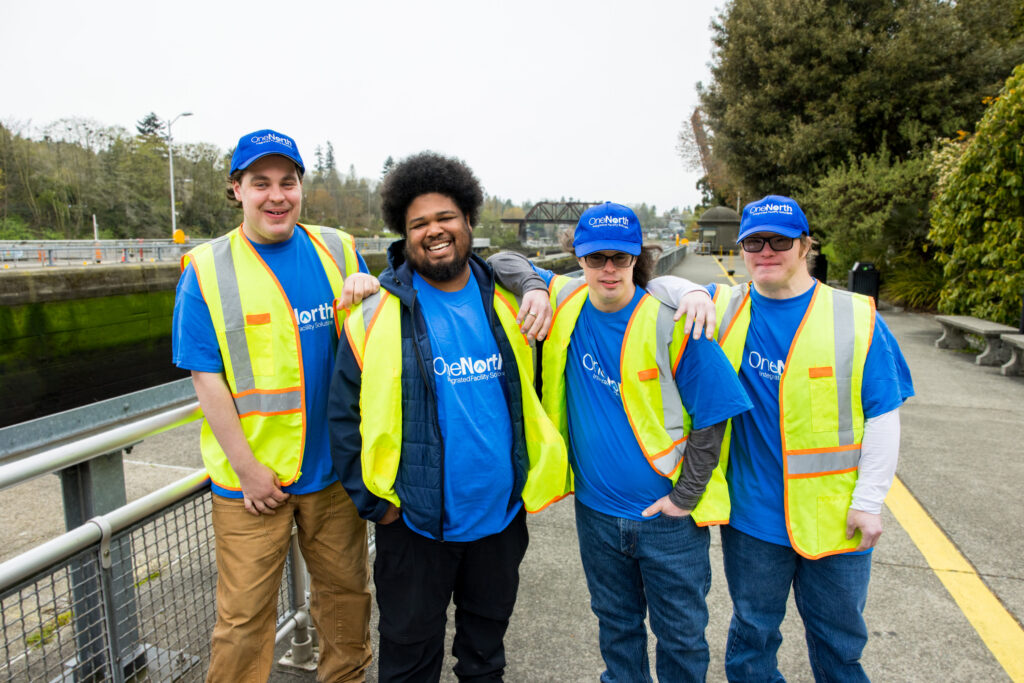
x=620, y=221
x=771, y=208
x=270, y=137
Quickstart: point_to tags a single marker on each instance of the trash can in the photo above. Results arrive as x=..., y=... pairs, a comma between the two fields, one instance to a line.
x=820, y=270
x=864, y=279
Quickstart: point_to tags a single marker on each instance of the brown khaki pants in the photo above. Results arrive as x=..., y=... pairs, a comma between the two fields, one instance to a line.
x=251, y=553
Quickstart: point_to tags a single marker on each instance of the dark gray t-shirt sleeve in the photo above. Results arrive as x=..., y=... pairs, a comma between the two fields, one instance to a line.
x=699, y=461
x=514, y=272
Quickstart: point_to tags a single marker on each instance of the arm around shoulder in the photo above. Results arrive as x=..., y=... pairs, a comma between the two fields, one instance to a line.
x=514, y=272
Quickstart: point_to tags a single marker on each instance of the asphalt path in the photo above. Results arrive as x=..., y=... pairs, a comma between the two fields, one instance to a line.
x=931, y=616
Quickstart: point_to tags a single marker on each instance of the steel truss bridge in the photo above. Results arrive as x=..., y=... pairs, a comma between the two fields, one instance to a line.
x=550, y=213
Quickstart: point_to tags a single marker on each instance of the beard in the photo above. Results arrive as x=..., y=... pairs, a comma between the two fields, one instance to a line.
x=442, y=271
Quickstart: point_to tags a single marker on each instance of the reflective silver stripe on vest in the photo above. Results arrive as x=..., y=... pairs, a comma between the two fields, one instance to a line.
x=234, y=318
x=844, y=332
x=370, y=305
x=568, y=289
x=332, y=240
x=818, y=463
x=736, y=296
x=671, y=403
x=667, y=463
x=269, y=403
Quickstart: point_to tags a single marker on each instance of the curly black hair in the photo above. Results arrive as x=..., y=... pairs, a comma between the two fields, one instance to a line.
x=424, y=173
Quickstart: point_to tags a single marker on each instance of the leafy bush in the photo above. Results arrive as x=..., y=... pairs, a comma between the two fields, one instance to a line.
x=913, y=281
x=978, y=216
x=872, y=209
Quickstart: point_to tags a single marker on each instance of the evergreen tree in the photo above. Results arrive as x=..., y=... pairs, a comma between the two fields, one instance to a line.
x=149, y=125
x=330, y=165
x=801, y=85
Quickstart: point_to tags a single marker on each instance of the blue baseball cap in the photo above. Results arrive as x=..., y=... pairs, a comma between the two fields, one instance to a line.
x=608, y=226
x=263, y=143
x=773, y=213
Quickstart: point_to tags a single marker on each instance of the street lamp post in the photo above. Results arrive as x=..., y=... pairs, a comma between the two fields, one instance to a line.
x=170, y=162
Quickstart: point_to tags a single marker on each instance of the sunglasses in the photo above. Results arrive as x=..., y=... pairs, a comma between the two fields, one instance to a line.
x=752, y=245
x=619, y=260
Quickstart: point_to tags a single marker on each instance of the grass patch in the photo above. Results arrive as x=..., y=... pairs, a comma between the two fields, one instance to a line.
x=47, y=631
x=146, y=579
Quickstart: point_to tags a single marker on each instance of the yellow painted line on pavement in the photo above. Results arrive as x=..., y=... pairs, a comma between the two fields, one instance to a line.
x=1001, y=633
x=724, y=271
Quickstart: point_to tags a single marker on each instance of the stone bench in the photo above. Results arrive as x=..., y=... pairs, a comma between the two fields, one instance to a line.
x=954, y=327
x=1015, y=344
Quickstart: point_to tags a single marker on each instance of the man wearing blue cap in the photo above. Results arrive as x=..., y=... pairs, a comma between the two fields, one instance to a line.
x=643, y=409
x=811, y=463
x=254, y=323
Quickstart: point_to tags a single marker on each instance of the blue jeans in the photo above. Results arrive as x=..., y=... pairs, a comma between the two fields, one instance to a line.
x=660, y=565
x=830, y=594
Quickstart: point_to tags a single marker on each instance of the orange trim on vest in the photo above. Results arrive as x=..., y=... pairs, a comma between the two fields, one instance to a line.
x=511, y=309
x=722, y=335
x=650, y=373
x=812, y=475
x=274, y=412
x=679, y=357
x=550, y=502
x=567, y=299
x=316, y=238
x=358, y=353
x=831, y=449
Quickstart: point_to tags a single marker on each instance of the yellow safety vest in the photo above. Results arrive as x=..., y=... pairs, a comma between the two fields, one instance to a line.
x=820, y=410
x=373, y=330
x=651, y=350
x=259, y=343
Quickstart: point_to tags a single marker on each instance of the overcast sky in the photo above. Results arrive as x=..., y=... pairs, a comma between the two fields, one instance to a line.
x=544, y=99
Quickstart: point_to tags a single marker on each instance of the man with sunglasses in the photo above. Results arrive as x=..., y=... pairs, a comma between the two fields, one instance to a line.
x=811, y=463
x=643, y=409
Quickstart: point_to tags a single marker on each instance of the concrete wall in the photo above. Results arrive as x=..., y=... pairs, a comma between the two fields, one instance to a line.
x=70, y=336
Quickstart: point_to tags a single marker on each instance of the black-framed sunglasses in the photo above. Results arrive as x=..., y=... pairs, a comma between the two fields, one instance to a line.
x=619, y=259
x=752, y=245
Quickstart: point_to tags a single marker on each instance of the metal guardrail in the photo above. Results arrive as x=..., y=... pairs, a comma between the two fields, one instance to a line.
x=87, y=252
x=45, y=253
x=129, y=594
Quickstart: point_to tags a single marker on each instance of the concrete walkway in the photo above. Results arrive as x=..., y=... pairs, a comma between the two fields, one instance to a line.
x=961, y=459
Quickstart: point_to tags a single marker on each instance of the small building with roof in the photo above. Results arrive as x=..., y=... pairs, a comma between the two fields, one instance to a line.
x=719, y=227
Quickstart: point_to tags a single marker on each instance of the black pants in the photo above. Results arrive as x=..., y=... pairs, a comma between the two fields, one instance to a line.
x=416, y=578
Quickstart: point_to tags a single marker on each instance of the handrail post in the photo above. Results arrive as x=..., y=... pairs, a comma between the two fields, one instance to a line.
x=302, y=654
x=90, y=489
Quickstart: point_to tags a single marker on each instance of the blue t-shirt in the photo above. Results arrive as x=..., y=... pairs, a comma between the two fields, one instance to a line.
x=472, y=409
x=298, y=268
x=611, y=473
x=755, y=457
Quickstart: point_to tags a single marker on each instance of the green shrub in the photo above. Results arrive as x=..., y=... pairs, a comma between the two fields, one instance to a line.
x=978, y=216
x=872, y=209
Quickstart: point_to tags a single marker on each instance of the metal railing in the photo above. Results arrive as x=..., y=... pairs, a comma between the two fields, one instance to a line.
x=46, y=253
x=131, y=592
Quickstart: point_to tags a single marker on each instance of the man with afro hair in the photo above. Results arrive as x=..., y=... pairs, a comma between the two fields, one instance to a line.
x=437, y=432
